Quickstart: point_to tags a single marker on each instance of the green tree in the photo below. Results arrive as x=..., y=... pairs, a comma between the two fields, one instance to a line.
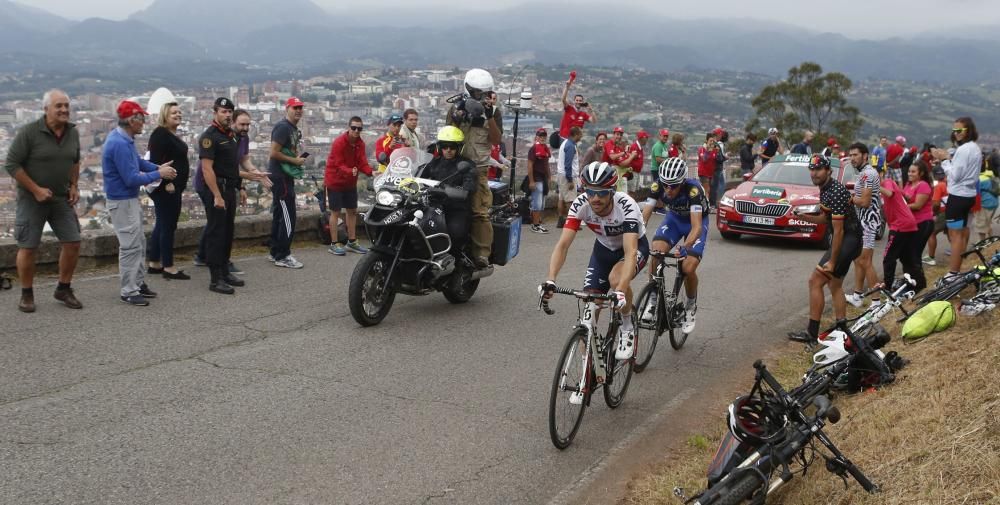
x=807, y=100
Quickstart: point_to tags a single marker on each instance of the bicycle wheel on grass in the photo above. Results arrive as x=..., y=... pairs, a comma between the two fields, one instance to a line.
x=565, y=417
x=646, y=334
x=619, y=372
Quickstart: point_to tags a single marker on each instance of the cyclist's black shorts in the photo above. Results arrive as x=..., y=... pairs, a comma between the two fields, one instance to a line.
x=850, y=249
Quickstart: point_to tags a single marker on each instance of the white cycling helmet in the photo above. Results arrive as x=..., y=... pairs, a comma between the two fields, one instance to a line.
x=478, y=79
x=673, y=171
x=772, y=131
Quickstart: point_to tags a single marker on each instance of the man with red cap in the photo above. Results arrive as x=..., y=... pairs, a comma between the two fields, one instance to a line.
x=661, y=150
x=124, y=173
x=831, y=147
x=614, y=153
x=636, y=157
x=285, y=139
x=538, y=179
x=893, y=154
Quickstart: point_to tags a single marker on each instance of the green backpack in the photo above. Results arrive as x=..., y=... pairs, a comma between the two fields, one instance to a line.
x=935, y=316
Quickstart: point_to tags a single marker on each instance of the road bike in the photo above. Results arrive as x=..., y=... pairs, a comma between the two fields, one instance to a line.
x=863, y=324
x=668, y=313
x=784, y=435
x=949, y=287
x=582, y=368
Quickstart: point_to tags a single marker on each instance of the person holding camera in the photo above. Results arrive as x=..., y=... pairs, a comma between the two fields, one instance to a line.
x=480, y=130
x=574, y=114
x=707, y=155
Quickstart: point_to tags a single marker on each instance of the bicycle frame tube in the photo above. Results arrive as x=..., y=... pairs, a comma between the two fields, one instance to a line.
x=588, y=319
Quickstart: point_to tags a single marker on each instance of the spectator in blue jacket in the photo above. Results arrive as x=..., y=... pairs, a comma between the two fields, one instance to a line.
x=568, y=173
x=124, y=173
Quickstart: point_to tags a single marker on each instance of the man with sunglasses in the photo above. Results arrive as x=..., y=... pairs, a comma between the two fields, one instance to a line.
x=340, y=179
x=620, y=250
x=837, y=212
x=457, y=213
x=684, y=226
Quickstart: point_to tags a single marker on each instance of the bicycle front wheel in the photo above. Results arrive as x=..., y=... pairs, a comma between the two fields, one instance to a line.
x=565, y=415
x=619, y=371
x=675, y=319
x=647, y=332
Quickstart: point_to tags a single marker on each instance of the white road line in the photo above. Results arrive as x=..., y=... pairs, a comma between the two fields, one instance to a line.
x=591, y=474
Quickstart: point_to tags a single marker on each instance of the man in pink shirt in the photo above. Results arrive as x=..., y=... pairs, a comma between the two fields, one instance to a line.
x=903, y=244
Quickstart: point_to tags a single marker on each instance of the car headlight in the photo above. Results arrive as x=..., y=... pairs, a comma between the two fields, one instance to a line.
x=727, y=201
x=807, y=209
x=386, y=198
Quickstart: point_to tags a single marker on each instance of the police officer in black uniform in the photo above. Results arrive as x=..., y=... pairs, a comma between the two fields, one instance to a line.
x=221, y=170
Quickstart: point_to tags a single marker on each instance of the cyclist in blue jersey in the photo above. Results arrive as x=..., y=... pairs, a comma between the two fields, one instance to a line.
x=684, y=227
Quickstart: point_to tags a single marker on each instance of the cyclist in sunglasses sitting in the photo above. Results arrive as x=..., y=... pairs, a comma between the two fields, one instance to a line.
x=620, y=250
x=683, y=226
x=457, y=214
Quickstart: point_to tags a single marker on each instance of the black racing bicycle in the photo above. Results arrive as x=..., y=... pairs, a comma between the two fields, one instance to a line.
x=666, y=312
x=949, y=287
x=775, y=422
x=587, y=363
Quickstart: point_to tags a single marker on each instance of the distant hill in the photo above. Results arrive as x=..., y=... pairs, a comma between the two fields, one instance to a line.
x=220, y=23
x=298, y=36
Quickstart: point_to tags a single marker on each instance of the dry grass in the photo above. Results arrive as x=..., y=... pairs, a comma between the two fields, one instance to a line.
x=932, y=437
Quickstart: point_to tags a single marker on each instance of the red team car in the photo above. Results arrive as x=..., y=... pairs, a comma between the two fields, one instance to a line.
x=763, y=203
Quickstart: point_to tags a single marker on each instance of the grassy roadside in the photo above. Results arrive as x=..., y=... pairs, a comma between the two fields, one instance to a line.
x=932, y=437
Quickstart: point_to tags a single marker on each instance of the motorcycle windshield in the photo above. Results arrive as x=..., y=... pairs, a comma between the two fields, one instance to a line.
x=403, y=163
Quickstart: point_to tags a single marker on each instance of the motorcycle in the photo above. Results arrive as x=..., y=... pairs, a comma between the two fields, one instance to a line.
x=411, y=251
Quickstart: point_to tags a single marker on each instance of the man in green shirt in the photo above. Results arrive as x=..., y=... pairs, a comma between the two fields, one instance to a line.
x=44, y=159
x=660, y=150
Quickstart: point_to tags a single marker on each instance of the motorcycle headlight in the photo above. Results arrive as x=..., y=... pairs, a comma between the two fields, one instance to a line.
x=727, y=201
x=807, y=209
x=385, y=198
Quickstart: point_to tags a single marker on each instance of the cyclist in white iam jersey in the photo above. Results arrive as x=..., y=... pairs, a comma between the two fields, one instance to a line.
x=621, y=248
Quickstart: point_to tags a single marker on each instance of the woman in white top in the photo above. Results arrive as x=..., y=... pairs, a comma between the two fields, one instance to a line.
x=963, y=177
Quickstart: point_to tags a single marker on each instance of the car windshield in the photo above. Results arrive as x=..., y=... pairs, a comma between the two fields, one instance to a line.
x=850, y=174
x=784, y=173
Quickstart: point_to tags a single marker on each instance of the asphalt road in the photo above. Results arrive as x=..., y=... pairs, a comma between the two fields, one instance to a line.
x=276, y=395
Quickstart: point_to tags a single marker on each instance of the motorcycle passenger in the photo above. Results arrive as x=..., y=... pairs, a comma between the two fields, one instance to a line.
x=457, y=213
x=683, y=226
x=620, y=250
x=482, y=130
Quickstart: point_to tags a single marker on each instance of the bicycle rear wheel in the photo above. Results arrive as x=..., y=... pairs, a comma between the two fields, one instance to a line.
x=619, y=371
x=565, y=417
x=646, y=333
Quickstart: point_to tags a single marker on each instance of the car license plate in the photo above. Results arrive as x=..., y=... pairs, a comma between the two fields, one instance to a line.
x=758, y=220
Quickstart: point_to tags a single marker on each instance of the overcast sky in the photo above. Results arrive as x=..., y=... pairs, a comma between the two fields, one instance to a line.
x=853, y=18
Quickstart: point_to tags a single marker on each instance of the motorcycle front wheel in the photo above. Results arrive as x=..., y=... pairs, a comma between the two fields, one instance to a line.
x=371, y=292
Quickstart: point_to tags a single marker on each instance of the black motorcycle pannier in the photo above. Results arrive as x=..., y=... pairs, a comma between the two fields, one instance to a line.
x=506, y=240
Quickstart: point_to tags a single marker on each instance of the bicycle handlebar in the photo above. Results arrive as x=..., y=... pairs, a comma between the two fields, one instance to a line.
x=668, y=254
x=543, y=303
